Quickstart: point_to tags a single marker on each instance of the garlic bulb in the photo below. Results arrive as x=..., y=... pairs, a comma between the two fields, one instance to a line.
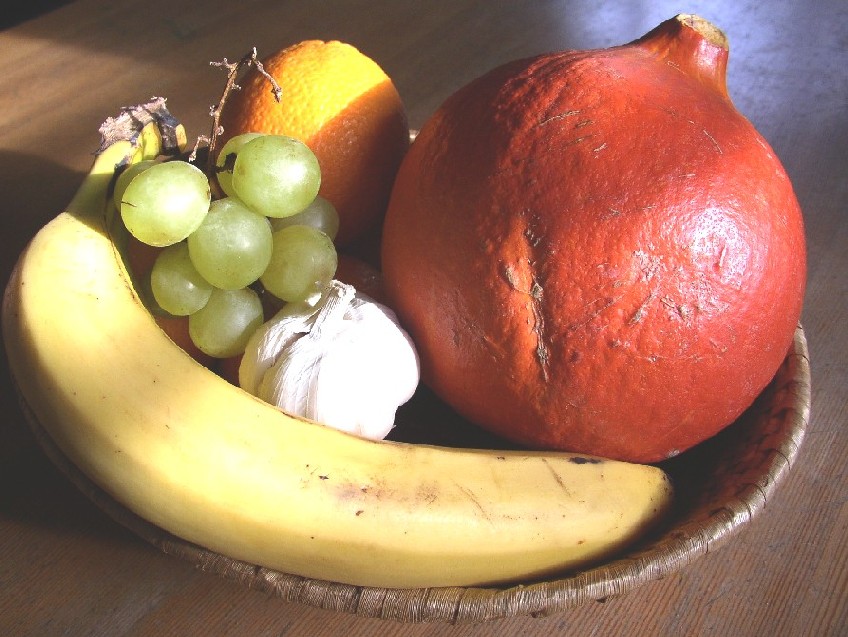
x=344, y=362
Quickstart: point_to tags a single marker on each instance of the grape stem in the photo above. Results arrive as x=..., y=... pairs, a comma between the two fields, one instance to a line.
x=233, y=69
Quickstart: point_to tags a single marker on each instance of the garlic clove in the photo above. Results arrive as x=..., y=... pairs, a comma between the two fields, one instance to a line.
x=287, y=383
x=288, y=325
x=362, y=380
x=263, y=346
x=344, y=362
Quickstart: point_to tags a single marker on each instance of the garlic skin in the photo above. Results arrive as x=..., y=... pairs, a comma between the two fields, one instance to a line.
x=344, y=362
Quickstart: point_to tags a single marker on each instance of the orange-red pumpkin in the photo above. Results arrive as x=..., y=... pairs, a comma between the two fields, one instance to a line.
x=594, y=251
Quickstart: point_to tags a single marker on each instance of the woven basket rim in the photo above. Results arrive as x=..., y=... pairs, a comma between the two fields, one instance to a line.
x=772, y=430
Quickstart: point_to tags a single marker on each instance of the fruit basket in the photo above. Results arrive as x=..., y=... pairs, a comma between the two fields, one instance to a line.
x=296, y=511
x=721, y=485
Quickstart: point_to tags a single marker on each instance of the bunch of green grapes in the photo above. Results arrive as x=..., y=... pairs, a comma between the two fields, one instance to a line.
x=271, y=232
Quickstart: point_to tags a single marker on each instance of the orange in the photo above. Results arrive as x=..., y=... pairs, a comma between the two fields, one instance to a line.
x=594, y=251
x=341, y=104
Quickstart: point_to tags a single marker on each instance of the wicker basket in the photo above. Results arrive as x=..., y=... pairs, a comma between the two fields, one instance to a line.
x=721, y=484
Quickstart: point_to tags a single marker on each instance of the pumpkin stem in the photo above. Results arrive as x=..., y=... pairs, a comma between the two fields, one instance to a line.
x=694, y=45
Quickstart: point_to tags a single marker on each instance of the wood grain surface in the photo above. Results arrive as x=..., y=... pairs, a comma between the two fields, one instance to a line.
x=68, y=569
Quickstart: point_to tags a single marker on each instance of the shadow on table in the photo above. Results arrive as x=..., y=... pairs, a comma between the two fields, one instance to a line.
x=22, y=11
x=32, y=490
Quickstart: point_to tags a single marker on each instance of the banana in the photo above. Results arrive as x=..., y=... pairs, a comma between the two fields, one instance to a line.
x=204, y=460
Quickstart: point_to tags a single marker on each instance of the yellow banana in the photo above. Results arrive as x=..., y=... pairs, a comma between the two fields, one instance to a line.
x=211, y=464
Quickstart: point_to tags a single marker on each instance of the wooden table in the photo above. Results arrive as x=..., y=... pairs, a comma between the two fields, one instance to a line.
x=67, y=569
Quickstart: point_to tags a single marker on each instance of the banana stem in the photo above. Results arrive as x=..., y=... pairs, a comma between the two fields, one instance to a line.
x=140, y=132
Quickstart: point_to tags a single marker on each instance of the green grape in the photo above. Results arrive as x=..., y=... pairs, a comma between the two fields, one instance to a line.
x=227, y=158
x=223, y=326
x=320, y=214
x=232, y=246
x=165, y=203
x=177, y=286
x=275, y=175
x=302, y=263
x=126, y=177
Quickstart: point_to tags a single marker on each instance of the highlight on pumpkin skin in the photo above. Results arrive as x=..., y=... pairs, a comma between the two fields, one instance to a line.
x=341, y=104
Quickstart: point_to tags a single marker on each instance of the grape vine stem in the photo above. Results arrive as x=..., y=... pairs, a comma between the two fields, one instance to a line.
x=233, y=69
